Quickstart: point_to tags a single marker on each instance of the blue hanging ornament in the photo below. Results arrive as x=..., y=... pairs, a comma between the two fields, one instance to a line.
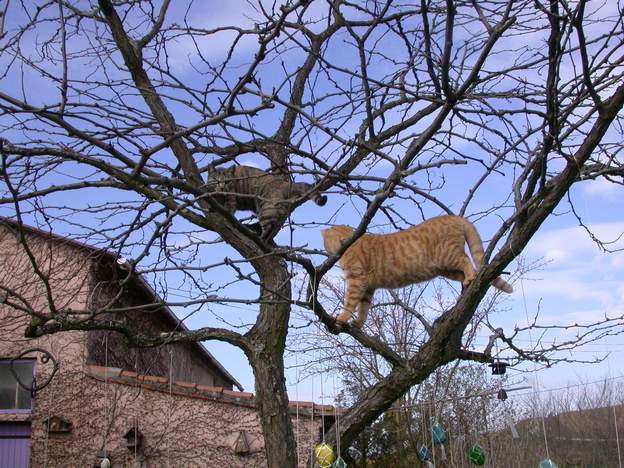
x=424, y=454
x=548, y=463
x=339, y=463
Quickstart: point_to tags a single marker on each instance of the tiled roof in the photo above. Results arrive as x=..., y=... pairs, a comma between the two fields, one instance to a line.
x=192, y=390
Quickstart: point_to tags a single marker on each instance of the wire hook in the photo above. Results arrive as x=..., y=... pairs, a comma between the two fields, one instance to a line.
x=45, y=358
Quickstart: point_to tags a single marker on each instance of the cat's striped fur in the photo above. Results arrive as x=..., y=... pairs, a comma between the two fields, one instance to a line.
x=252, y=189
x=420, y=253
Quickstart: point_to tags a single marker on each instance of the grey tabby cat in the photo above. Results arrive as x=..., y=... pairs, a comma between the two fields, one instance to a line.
x=252, y=189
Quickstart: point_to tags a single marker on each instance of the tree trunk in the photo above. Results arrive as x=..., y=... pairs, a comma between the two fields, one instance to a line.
x=266, y=355
x=272, y=403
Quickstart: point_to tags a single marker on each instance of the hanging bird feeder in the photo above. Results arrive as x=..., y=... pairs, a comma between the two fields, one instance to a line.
x=548, y=463
x=499, y=368
x=477, y=455
x=324, y=455
x=502, y=394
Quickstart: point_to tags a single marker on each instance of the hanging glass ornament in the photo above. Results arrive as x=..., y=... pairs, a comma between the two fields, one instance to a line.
x=439, y=438
x=437, y=434
x=324, y=455
x=548, y=463
x=339, y=463
x=477, y=455
x=423, y=453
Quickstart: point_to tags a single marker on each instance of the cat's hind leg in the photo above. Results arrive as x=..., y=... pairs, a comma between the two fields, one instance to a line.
x=365, y=304
x=356, y=289
x=465, y=265
x=455, y=275
x=460, y=270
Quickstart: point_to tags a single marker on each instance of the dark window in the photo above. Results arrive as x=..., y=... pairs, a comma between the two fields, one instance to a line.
x=12, y=395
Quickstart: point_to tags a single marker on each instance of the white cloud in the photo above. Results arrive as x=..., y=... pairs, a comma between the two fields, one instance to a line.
x=571, y=286
x=574, y=246
x=577, y=269
x=578, y=316
x=602, y=188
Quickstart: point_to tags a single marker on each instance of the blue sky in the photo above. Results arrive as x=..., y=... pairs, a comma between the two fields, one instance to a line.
x=576, y=284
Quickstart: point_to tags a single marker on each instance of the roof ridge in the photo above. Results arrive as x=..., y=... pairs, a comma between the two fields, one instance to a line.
x=194, y=390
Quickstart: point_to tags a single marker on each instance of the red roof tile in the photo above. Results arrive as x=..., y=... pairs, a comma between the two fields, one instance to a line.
x=185, y=385
x=192, y=390
x=205, y=388
x=154, y=378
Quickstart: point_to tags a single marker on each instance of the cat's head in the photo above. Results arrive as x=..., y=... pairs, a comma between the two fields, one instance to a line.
x=299, y=189
x=334, y=236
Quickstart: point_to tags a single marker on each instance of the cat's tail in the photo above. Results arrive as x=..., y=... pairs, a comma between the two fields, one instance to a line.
x=500, y=283
x=475, y=245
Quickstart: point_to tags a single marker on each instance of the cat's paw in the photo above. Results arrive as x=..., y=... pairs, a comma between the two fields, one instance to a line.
x=338, y=327
x=255, y=227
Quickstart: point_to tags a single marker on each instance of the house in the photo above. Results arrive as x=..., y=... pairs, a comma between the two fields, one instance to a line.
x=174, y=405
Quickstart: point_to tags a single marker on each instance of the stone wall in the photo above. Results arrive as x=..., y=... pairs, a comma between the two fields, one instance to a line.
x=182, y=424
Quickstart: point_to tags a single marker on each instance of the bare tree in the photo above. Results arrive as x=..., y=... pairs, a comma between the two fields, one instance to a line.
x=113, y=114
x=458, y=396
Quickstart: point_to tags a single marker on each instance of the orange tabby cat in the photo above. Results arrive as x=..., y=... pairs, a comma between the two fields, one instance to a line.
x=420, y=253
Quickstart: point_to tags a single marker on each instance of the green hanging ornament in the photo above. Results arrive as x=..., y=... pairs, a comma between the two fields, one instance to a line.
x=477, y=455
x=339, y=463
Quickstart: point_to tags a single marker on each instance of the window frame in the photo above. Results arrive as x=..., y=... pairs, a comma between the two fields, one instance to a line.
x=32, y=361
